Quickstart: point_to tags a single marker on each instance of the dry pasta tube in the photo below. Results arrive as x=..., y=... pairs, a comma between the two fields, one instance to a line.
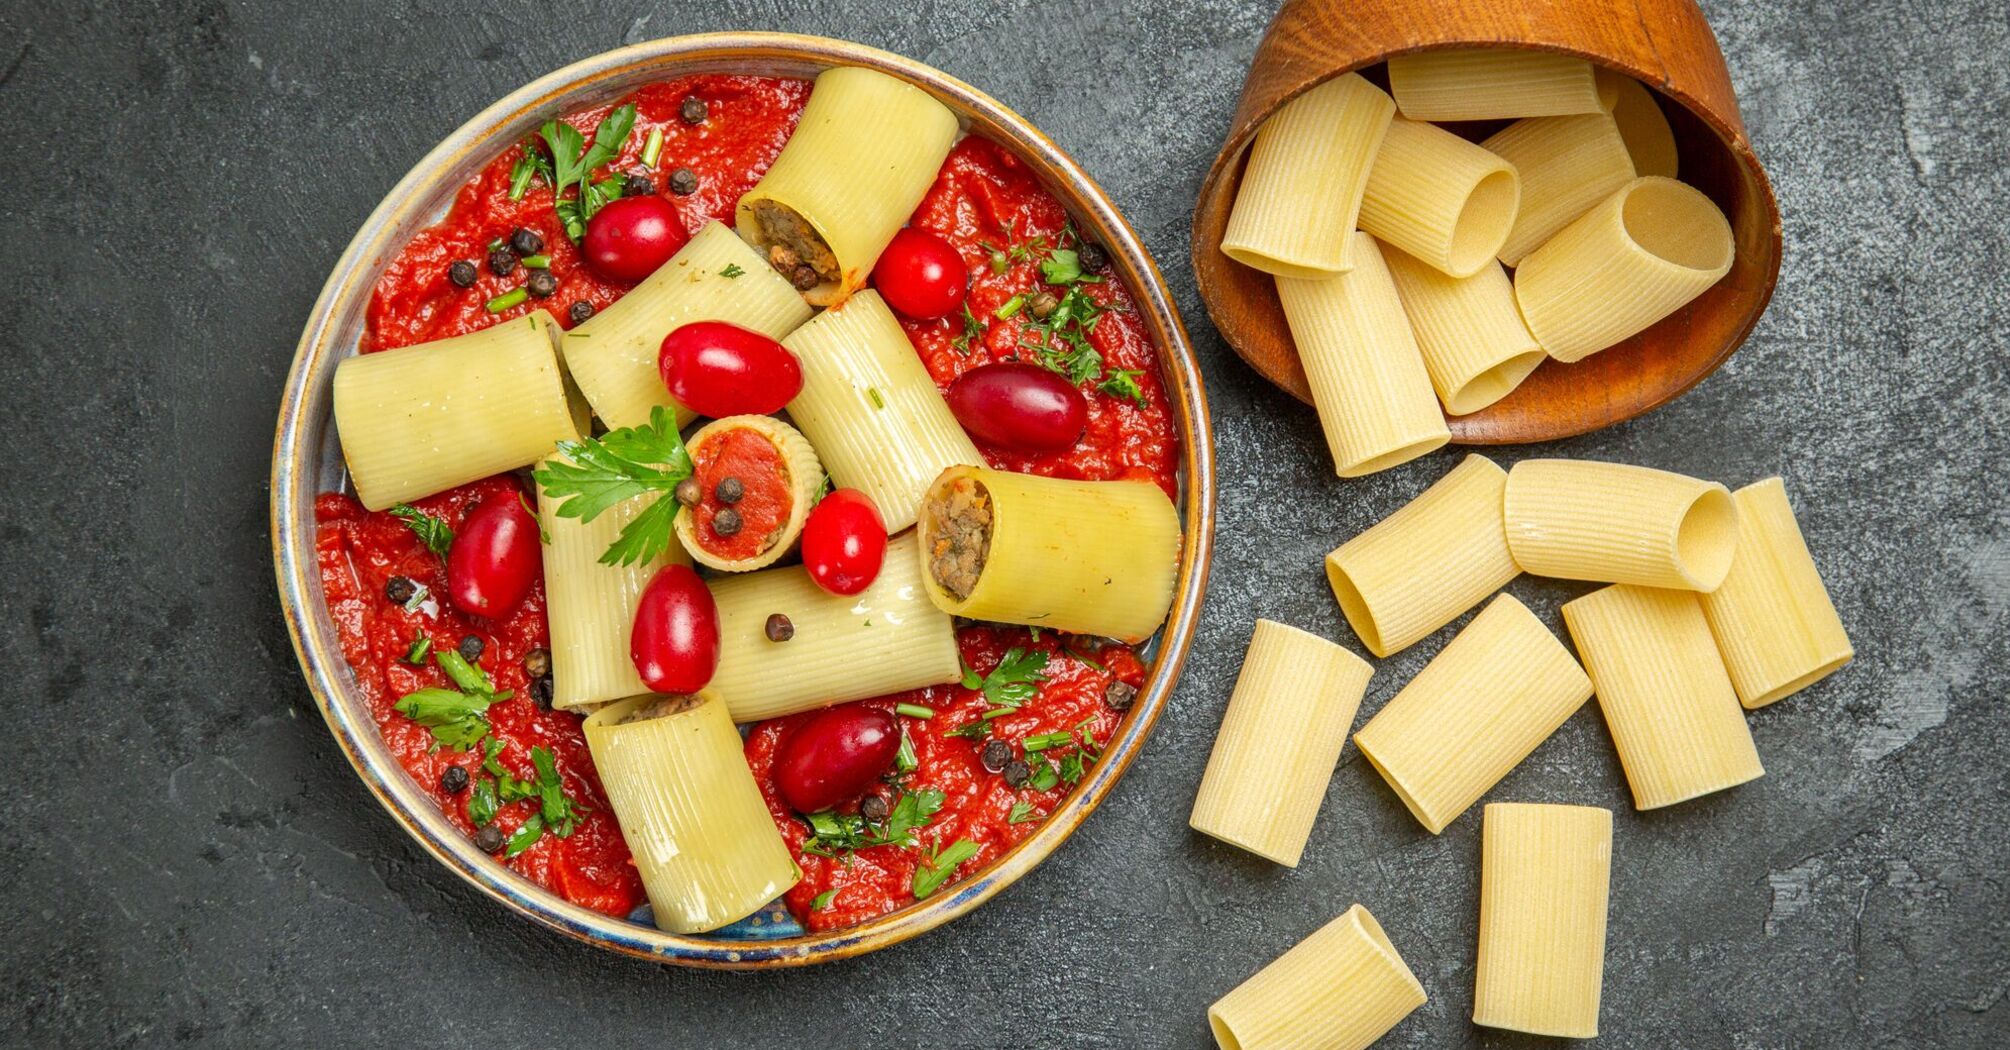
x=425, y=418
x=1340, y=989
x=1440, y=198
x=1491, y=84
x=1469, y=331
x=1636, y=257
x=1286, y=723
x=1545, y=876
x=703, y=841
x=1649, y=139
x=1494, y=694
x=1301, y=193
x=778, y=475
x=866, y=150
x=1618, y=523
x=1419, y=568
x=1088, y=557
x=1566, y=164
x=1666, y=697
x=1368, y=380
x=1772, y=618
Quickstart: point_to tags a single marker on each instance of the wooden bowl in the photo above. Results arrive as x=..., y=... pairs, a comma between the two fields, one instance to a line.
x=307, y=460
x=1665, y=44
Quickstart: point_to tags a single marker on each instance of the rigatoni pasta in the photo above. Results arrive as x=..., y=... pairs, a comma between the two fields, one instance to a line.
x=1368, y=380
x=1301, y=192
x=1491, y=84
x=1665, y=694
x=1566, y=164
x=1498, y=690
x=1440, y=198
x=1545, y=880
x=1469, y=331
x=1286, y=723
x=1618, y=523
x=778, y=477
x=1419, y=568
x=1642, y=125
x=1340, y=989
x=1772, y=618
x=425, y=418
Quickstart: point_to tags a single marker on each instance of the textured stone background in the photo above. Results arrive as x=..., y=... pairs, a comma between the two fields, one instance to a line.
x=187, y=859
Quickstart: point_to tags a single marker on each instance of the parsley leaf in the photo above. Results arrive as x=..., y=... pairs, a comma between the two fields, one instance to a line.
x=526, y=836
x=1062, y=266
x=560, y=812
x=1021, y=813
x=973, y=332
x=731, y=271
x=616, y=467
x=1015, y=680
x=572, y=162
x=432, y=531
x=1123, y=383
x=823, y=900
x=458, y=719
x=939, y=866
x=834, y=833
x=482, y=801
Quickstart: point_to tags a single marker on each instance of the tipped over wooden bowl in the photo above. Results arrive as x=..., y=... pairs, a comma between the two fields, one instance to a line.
x=1665, y=44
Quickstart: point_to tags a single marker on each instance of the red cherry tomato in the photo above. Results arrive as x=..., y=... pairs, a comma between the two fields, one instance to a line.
x=1019, y=406
x=629, y=238
x=495, y=558
x=716, y=369
x=675, y=642
x=844, y=542
x=835, y=756
x=921, y=275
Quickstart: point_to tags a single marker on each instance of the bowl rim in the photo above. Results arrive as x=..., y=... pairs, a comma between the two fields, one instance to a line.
x=293, y=487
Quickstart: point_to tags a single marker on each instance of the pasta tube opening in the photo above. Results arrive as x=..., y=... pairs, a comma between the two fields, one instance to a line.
x=1707, y=539
x=1484, y=221
x=1341, y=988
x=1677, y=224
x=1642, y=126
x=756, y=480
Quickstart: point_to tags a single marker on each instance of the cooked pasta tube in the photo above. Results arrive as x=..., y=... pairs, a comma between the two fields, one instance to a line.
x=875, y=415
x=1772, y=618
x=1618, y=523
x=1491, y=84
x=1368, y=379
x=702, y=839
x=882, y=640
x=1566, y=164
x=1088, y=557
x=1440, y=198
x=1634, y=258
x=1469, y=331
x=613, y=355
x=1473, y=713
x=1419, y=568
x=425, y=418
x=1649, y=139
x=1301, y=192
x=1666, y=697
x=756, y=480
x=1286, y=723
x=1545, y=876
x=1340, y=989
x=865, y=152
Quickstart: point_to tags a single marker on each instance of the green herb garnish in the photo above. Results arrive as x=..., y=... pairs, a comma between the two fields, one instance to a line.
x=904, y=760
x=1021, y=813
x=1014, y=681
x=616, y=467
x=537, y=262
x=416, y=653
x=1043, y=741
x=731, y=271
x=914, y=711
x=482, y=801
x=823, y=900
x=458, y=718
x=1011, y=306
x=1123, y=384
x=940, y=865
x=872, y=394
x=836, y=833
x=652, y=147
x=432, y=531
x=506, y=300
x=973, y=333
x=525, y=836
x=568, y=161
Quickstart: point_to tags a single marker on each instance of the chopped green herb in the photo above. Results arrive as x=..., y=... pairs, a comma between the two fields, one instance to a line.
x=1044, y=741
x=940, y=865
x=537, y=262
x=616, y=467
x=872, y=394
x=972, y=730
x=529, y=164
x=526, y=836
x=914, y=710
x=560, y=813
x=997, y=712
x=652, y=147
x=1014, y=681
x=571, y=162
x=1044, y=778
x=1123, y=385
x=458, y=718
x=731, y=271
x=904, y=760
x=482, y=801
x=420, y=595
x=416, y=654
x=1011, y=306
x=973, y=332
x=823, y=900
x=835, y=833
x=506, y=300
x=1062, y=266
x=1021, y=813
x=433, y=532
x=1072, y=767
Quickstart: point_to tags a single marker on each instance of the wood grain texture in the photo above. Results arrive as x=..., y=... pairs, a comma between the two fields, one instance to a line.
x=1666, y=44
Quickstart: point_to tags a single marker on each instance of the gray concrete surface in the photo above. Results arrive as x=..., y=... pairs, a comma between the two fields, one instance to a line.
x=187, y=860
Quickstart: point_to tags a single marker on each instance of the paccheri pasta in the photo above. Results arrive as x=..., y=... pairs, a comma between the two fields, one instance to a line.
x=1341, y=988
x=1545, y=875
x=1294, y=215
x=755, y=478
x=1490, y=84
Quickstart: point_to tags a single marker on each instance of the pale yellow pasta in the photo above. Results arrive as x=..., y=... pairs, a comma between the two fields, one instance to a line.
x=591, y=604
x=868, y=404
x=1340, y=989
x=426, y=418
x=613, y=355
x=1087, y=557
x=1419, y=568
x=1545, y=876
x=801, y=474
x=1473, y=713
x=1666, y=697
x=1772, y=618
x=1286, y=723
x=1636, y=257
x=1440, y=198
x=1643, y=126
x=867, y=148
x=1474, y=345
x=676, y=774
x=1617, y=523
x=1491, y=84
x=1301, y=193
x=1368, y=380
x=884, y=639
x=1566, y=164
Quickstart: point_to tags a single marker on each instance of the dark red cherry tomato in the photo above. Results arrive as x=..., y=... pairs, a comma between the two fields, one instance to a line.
x=495, y=558
x=627, y=239
x=844, y=542
x=835, y=756
x=921, y=275
x=1019, y=406
x=717, y=369
x=675, y=642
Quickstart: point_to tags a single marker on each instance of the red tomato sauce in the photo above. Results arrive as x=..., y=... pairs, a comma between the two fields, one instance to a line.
x=765, y=504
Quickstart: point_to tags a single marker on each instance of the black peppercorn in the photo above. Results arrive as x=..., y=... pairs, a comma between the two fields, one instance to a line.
x=683, y=182
x=873, y=808
x=1120, y=695
x=454, y=779
x=780, y=628
x=502, y=262
x=688, y=493
x=540, y=692
x=1017, y=772
x=730, y=490
x=400, y=589
x=637, y=185
x=537, y=663
x=489, y=839
x=804, y=278
x=540, y=284
x=1091, y=256
x=463, y=273
x=525, y=242
x=581, y=312
x=1043, y=305
x=470, y=648
x=726, y=522
x=995, y=755
x=694, y=110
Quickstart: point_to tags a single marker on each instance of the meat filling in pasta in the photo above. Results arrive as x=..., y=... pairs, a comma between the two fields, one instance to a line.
x=960, y=526
x=794, y=247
